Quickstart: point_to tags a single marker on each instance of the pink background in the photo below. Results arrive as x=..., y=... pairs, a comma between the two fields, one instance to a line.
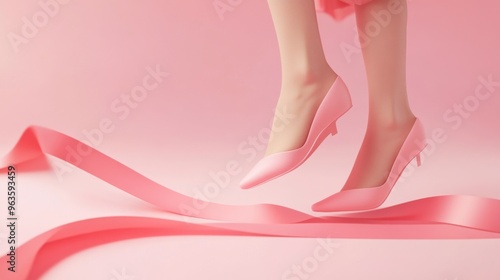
x=222, y=88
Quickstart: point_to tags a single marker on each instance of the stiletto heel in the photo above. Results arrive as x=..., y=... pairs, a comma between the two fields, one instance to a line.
x=419, y=162
x=333, y=129
x=369, y=198
x=336, y=103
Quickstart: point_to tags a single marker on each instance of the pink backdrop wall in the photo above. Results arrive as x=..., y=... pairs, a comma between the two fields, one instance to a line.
x=221, y=88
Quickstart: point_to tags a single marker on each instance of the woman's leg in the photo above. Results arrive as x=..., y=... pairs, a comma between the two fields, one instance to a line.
x=390, y=117
x=306, y=75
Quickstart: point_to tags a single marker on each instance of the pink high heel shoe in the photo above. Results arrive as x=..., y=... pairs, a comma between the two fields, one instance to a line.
x=335, y=103
x=373, y=197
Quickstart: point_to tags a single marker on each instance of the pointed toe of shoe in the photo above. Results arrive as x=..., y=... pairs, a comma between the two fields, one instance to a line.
x=257, y=175
x=247, y=183
x=351, y=200
x=318, y=207
x=334, y=203
x=269, y=168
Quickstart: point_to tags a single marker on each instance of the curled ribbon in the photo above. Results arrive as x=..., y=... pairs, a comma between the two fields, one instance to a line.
x=439, y=217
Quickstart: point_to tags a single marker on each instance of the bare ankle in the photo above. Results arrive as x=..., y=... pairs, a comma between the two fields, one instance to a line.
x=308, y=75
x=307, y=85
x=388, y=123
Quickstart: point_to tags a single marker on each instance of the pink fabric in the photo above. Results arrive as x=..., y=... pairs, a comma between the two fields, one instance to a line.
x=448, y=216
x=338, y=9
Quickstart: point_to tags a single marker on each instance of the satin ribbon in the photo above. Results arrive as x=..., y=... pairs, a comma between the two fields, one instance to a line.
x=440, y=217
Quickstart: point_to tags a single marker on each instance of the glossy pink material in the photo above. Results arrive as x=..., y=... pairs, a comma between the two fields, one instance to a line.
x=335, y=103
x=369, y=198
x=449, y=216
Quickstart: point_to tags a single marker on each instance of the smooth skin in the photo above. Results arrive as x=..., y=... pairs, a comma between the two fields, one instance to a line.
x=307, y=76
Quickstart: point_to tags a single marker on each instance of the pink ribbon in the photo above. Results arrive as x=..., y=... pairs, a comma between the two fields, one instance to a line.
x=440, y=217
